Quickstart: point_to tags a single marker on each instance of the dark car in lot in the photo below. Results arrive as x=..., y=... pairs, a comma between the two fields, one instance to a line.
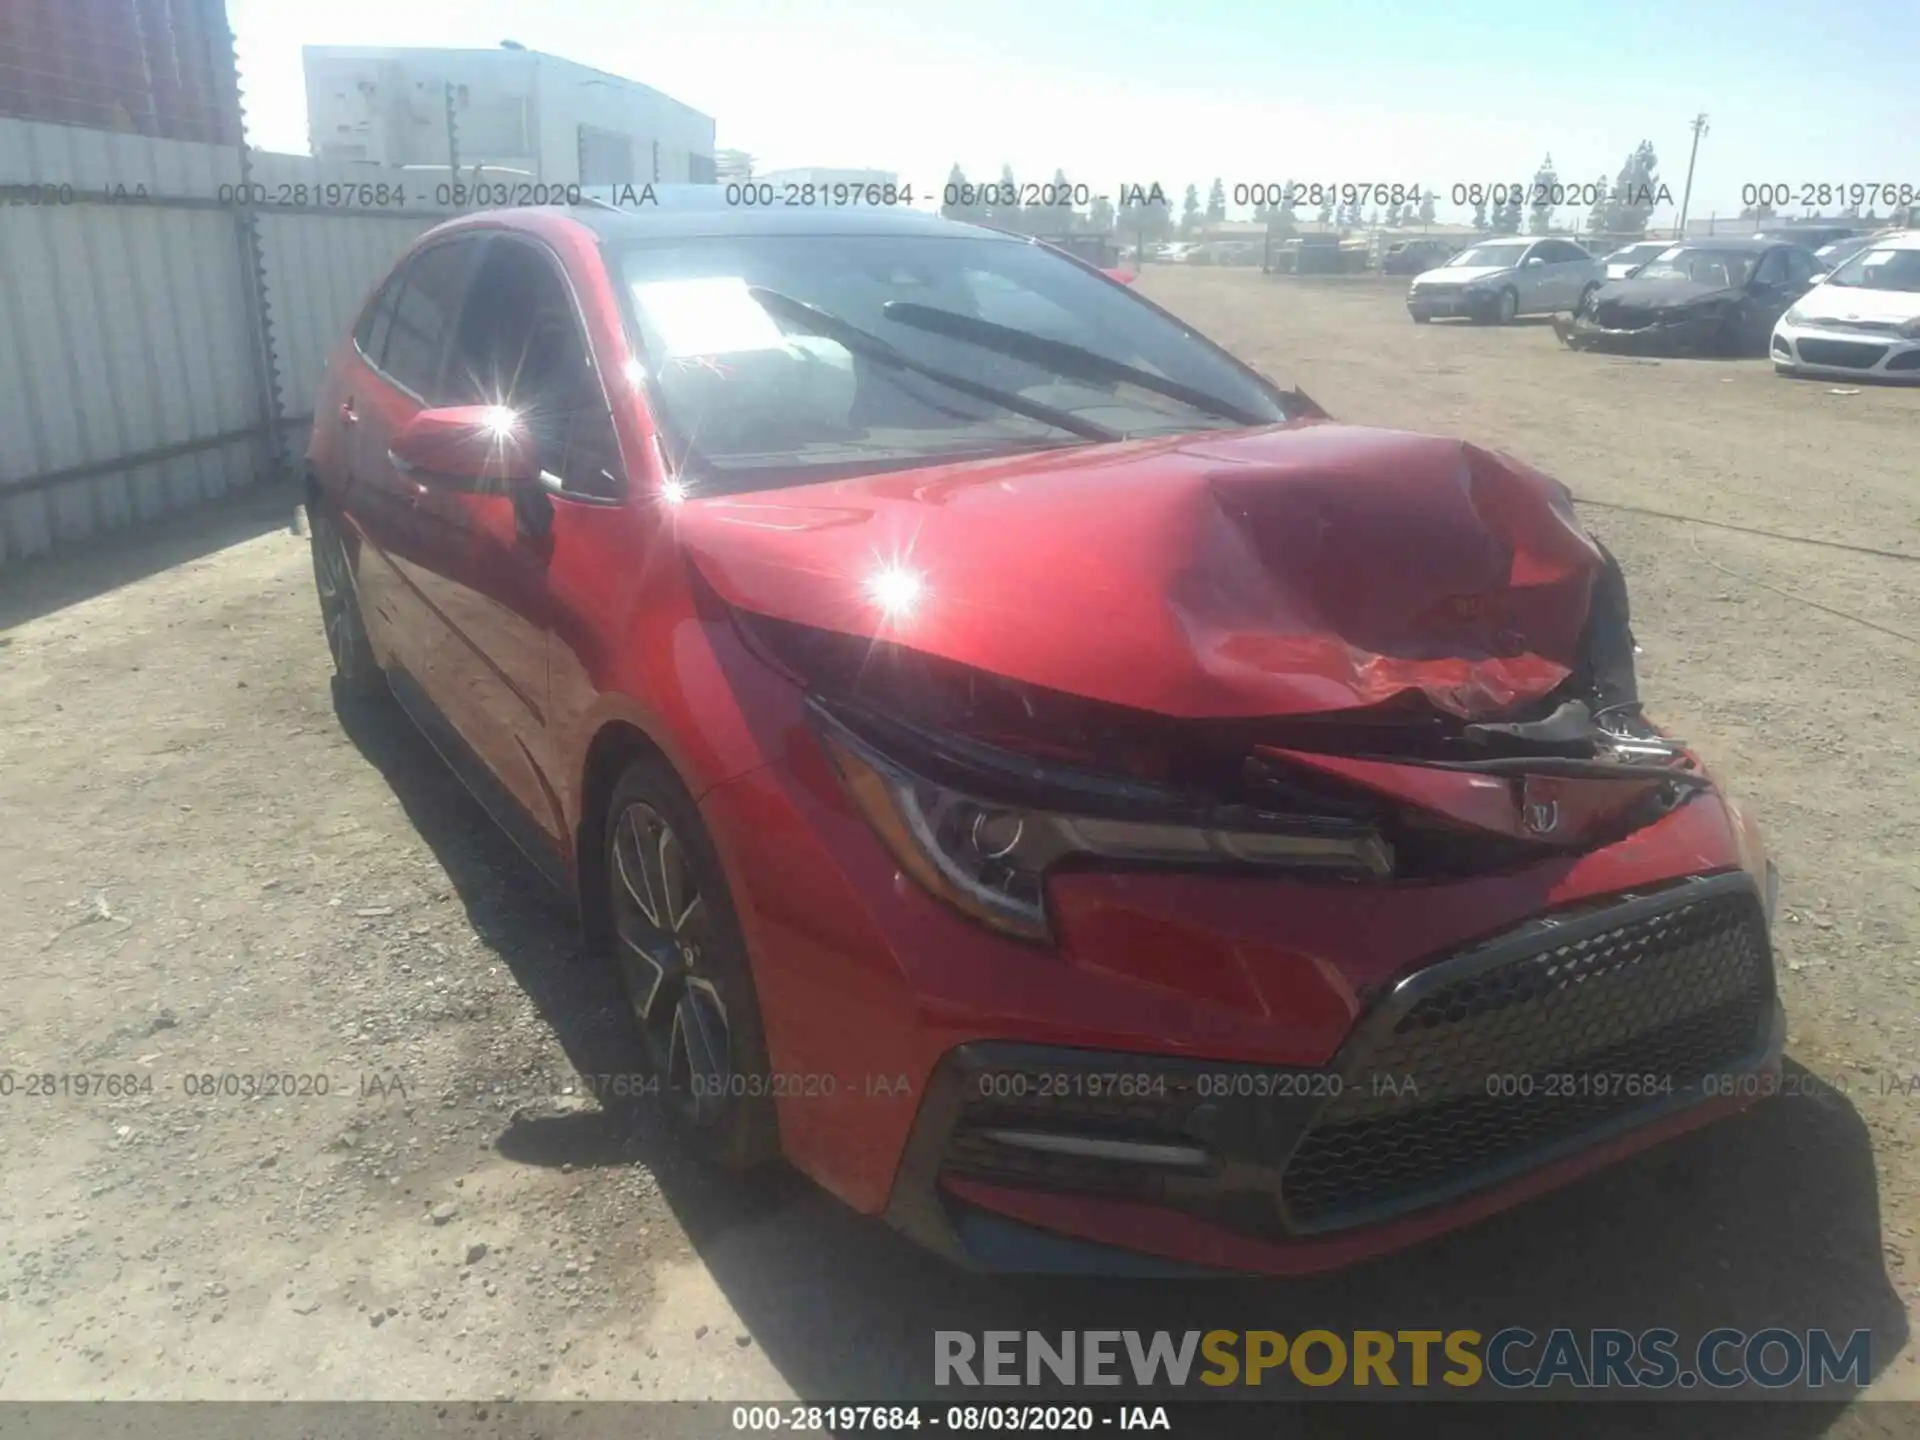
x=1027, y=769
x=1699, y=297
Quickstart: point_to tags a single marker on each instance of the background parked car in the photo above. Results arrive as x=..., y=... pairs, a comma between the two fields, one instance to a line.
x=1711, y=296
x=1412, y=257
x=1836, y=253
x=1501, y=279
x=1810, y=236
x=1864, y=320
x=1629, y=258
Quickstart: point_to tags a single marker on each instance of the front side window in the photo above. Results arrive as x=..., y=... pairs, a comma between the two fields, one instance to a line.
x=519, y=344
x=781, y=359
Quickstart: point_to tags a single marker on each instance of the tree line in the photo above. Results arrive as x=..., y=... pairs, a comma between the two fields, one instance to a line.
x=1622, y=206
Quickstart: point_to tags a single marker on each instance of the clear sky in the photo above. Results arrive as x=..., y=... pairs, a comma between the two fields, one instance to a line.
x=1246, y=90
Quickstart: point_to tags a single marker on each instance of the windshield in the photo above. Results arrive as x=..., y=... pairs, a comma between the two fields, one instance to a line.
x=1723, y=269
x=1880, y=270
x=1492, y=257
x=1841, y=251
x=777, y=360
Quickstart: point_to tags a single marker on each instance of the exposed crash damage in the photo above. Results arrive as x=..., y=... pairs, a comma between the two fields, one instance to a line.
x=1312, y=745
x=1710, y=298
x=1387, y=655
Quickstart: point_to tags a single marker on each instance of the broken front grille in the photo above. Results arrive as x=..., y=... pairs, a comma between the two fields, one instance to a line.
x=1615, y=316
x=1478, y=1066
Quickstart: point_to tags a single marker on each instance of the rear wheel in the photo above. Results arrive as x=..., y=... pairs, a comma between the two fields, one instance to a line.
x=1580, y=305
x=353, y=659
x=683, y=963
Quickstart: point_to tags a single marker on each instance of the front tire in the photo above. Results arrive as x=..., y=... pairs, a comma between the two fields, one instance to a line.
x=683, y=964
x=1509, y=308
x=354, y=664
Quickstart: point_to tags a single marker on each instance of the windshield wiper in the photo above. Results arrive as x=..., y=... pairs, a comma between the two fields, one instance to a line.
x=1062, y=358
x=831, y=327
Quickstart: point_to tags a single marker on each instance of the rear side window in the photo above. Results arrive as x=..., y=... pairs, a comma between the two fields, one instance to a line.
x=371, y=333
x=424, y=315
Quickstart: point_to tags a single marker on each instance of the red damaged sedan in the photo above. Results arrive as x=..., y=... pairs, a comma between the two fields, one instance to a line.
x=1052, y=786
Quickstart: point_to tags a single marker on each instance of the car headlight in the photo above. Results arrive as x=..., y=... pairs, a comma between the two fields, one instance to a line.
x=990, y=859
x=1795, y=316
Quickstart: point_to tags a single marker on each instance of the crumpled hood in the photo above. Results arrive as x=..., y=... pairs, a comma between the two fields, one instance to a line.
x=1296, y=569
x=1650, y=295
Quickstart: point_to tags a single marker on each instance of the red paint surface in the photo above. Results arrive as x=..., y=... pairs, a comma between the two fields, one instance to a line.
x=1302, y=568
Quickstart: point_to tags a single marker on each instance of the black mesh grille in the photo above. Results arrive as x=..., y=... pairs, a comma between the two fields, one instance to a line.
x=1854, y=354
x=1473, y=1066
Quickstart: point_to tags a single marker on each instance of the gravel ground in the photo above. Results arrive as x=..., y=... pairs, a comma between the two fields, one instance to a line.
x=214, y=885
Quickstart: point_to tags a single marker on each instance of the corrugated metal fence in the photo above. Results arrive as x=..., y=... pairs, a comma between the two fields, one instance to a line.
x=165, y=310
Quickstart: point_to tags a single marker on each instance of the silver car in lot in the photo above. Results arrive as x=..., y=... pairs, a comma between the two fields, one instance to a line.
x=1623, y=262
x=1497, y=280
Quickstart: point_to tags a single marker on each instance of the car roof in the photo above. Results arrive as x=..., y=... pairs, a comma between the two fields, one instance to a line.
x=684, y=212
x=1734, y=242
x=1893, y=240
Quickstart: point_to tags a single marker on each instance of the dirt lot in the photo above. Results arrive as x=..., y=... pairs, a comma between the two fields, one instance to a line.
x=204, y=874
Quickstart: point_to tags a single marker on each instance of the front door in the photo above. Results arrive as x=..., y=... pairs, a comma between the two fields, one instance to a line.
x=401, y=377
x=519, y=344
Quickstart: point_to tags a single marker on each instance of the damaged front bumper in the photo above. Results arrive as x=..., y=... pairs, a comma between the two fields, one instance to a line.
x=1501, y=1070
x=1680, y=335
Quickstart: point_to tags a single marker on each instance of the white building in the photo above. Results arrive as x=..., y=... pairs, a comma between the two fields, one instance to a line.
x=510, y=109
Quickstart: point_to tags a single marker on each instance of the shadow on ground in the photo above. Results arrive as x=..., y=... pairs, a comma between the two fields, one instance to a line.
x=66, y=577
x=1768, y=1219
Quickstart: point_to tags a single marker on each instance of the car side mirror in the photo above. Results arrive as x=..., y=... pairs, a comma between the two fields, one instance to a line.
x=1533, y=260
x=479, y=444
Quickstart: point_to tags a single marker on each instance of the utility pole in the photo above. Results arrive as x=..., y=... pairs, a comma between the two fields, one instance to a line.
x=1699, y=128
x=453, y=138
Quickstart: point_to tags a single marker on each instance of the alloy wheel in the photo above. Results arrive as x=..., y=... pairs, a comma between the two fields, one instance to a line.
x=331, y=579
x=665, y=934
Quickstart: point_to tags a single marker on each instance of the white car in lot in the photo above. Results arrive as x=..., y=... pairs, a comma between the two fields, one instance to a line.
x=1864, y=320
